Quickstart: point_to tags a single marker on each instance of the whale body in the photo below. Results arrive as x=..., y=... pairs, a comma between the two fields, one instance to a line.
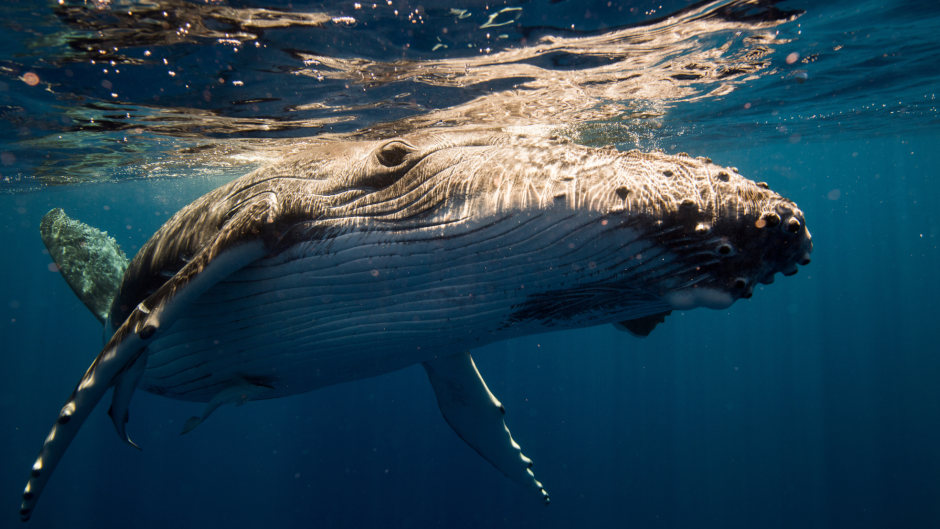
x=355, y=259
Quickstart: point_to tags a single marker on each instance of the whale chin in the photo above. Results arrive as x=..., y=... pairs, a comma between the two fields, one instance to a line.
x=691, y=298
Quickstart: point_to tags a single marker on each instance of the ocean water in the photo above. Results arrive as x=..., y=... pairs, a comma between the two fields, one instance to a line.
x=814, y=404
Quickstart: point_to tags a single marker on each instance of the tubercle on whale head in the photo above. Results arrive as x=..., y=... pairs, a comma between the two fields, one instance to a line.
x=772, y=239
x=736, y=232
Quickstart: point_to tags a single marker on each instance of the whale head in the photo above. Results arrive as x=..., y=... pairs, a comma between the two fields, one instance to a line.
x=618, y=234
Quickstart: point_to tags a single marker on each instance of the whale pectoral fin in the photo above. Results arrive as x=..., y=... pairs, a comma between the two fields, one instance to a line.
x=642, y=326
x=238, y=392
x=91, y=262
x=120, y=352
x=120, y=356
x=478, y=417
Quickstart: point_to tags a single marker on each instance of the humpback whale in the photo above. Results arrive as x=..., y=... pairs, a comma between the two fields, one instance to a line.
x=357, y=258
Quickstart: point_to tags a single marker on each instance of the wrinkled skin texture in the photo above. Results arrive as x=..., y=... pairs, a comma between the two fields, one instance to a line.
x=733, y=231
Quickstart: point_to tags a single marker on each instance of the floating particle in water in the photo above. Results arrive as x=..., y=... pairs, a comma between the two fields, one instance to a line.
x=30, y=78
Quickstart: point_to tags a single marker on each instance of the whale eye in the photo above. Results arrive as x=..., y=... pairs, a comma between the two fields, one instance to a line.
x=740, y=282
x=393, y=153
x=724, y=249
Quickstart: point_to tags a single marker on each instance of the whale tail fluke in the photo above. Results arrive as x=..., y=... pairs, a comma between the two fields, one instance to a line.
x=91, y=262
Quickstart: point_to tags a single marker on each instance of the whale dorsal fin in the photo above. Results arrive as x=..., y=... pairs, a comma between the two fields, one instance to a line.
x=91, y=262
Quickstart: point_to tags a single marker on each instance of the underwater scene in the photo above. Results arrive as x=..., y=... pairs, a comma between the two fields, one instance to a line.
x=692, y=248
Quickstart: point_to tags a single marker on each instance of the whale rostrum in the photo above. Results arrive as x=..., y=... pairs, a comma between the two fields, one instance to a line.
x=355, y=259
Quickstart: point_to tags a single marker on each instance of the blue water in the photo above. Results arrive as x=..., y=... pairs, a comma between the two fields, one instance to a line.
x=814, y=404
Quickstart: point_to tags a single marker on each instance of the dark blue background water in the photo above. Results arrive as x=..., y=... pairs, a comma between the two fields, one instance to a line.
x=814, y=404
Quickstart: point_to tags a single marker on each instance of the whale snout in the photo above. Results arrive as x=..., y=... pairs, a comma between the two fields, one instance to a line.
x=795, y=242
x=780, y=243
